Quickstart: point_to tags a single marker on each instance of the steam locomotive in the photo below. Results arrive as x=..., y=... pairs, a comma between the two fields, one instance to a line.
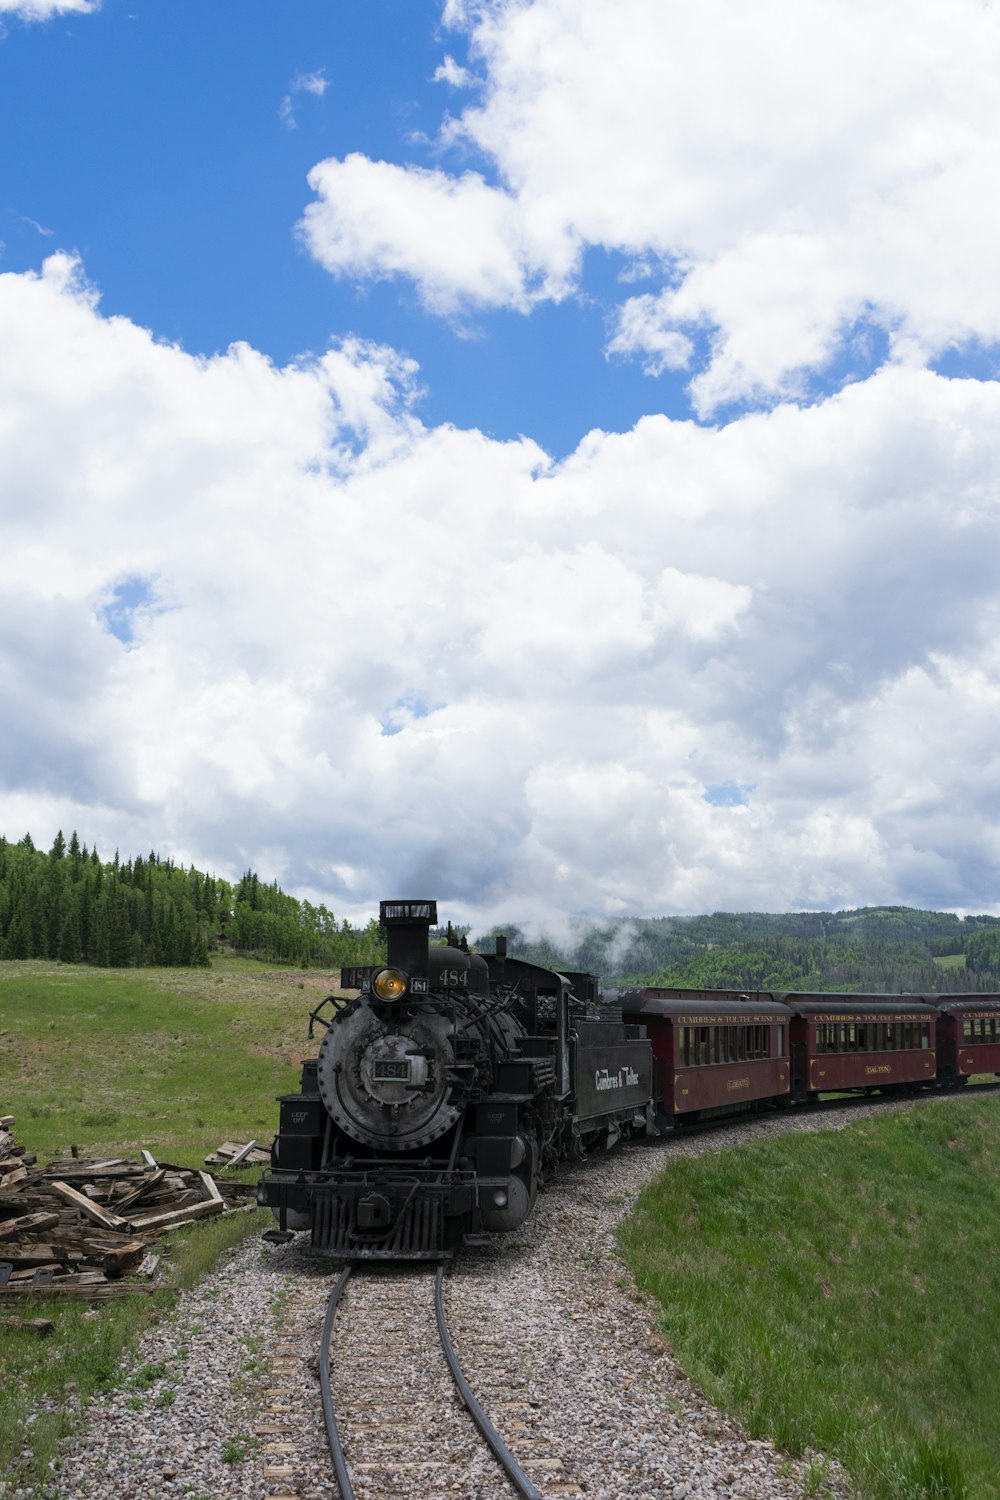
x=442, y=1095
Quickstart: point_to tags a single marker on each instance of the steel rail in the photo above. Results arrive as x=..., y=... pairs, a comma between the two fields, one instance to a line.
x=512, y=1468
x=332, y=1434
x=515, y=1473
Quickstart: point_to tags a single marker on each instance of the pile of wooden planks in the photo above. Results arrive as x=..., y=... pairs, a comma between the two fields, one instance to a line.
x=235, y=1154
x=82, y=1229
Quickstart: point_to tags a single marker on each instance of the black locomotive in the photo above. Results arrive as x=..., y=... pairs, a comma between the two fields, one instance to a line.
x=444, y=1093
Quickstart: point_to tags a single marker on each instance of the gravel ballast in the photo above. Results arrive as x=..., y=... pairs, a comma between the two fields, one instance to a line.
x=584, y=1376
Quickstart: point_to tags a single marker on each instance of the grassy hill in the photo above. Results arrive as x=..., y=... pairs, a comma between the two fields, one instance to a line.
x=840, y=1290
x=175, y=1060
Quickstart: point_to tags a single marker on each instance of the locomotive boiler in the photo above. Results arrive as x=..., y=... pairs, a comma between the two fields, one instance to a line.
x=443, y=1094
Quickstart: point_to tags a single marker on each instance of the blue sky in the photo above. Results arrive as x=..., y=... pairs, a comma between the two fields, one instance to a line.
x=542, y=451
x=150, y=140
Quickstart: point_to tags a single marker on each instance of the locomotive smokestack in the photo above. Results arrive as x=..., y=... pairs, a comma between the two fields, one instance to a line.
x=407, y=925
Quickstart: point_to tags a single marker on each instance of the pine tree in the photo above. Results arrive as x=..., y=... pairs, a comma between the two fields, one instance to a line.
x=169, y=937
x=100, y=934
x=119, y=934
x=38, y=899
x=85, y=912
x=70, y=945
x=19, y=933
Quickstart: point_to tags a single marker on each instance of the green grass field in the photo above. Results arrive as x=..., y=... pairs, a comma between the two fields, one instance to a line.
x=174, y=1060
x=841, y=1290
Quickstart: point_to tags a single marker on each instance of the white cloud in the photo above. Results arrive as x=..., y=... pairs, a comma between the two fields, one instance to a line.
x=315, y=83
x=371, y=656
x=461, y=240
x=38, y=228
x=703, y=609
x=644, y=327
x=792, y=171
x=311, y=83
x=453, y=73
x=44, y=10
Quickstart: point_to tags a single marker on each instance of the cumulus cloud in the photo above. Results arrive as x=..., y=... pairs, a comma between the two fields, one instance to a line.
x=262, y=615
x=462, y=241
x=786, y=174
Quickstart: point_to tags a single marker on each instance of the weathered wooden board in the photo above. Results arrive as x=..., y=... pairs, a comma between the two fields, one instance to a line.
x=90, y=1210
x=27, y=1224
x=177, y=1216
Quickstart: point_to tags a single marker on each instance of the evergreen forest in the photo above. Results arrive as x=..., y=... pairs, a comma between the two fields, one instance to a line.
x=69, y=904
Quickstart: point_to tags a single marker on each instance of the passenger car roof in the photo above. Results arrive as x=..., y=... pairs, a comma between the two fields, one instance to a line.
x=858, y=1007
x=735, y=1006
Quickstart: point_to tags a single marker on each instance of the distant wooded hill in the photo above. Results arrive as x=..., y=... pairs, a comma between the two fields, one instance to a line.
x=879, y=949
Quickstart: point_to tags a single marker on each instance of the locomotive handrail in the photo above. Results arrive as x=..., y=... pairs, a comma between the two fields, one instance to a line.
x=314, y=1015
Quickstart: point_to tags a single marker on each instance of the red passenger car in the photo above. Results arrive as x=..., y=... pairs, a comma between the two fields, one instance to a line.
x=715, y=1052
x=845, y=1043
x=968, y=1035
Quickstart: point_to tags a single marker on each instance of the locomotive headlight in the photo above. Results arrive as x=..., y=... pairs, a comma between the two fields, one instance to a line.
x=390, y=984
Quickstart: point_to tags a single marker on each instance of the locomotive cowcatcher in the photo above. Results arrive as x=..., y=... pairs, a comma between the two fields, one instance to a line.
x=443, y=1093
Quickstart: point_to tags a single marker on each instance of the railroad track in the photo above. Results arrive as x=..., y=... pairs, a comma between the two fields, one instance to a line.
x=402, y=1425
x=401, y=1420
